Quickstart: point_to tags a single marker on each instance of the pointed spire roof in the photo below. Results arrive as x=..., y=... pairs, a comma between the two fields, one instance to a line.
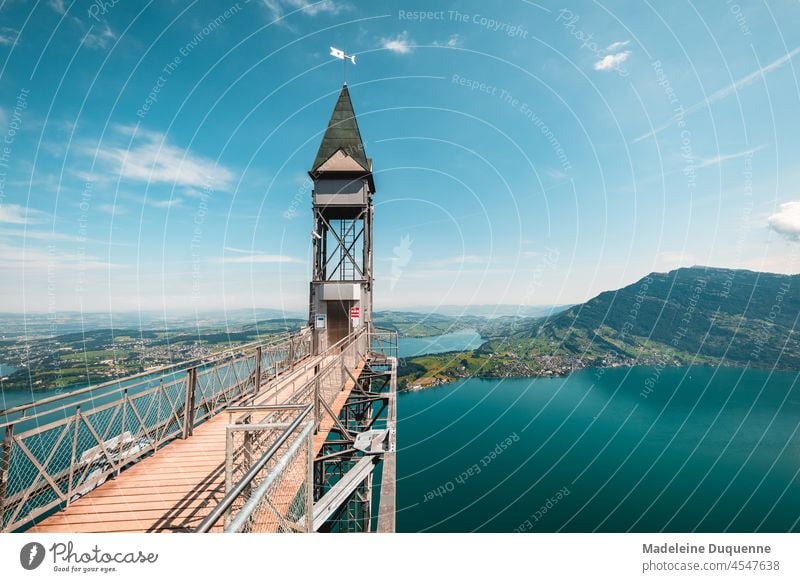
x=342, y=134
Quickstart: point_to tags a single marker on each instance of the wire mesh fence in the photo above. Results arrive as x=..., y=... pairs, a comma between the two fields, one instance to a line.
x=277, y=498
x=269, y=456
x=59, y=449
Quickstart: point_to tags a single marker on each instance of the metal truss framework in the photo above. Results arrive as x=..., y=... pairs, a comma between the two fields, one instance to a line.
x=341, y=261
x=366, y=412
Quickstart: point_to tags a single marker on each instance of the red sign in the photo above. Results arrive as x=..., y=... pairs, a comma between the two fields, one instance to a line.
x=355, y=312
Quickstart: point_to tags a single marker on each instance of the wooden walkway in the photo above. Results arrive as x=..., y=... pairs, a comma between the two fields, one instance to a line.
x=176, y=487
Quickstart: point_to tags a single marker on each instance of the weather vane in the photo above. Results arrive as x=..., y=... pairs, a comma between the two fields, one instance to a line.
x=339, y=54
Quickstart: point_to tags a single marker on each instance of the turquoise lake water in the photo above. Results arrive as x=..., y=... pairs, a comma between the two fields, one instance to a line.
x=5, y=369
x=707, y=450
x=464, y=339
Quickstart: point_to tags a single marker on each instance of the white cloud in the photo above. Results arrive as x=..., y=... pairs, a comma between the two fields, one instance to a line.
x=27, y=259
x=16, y=214
x=453, y=41
x=786, y=221
x=400, y=44
x=717, y=160
x=278, y=8
x=8, y=36
x=114, y=209
x=615, y=46
x=172, y=202
x=724, y=92
x=99, y=39
x=150, y=158
x=57, y=5
x=612, y=62
x=36, y=235
x=252, y=258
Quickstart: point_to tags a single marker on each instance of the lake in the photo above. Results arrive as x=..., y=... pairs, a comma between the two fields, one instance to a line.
x=6, y=370
x=463, y=339
x=707, y=450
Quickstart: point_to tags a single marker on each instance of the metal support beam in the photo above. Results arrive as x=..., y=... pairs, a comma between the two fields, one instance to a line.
x=386, y=515
x=340, y=493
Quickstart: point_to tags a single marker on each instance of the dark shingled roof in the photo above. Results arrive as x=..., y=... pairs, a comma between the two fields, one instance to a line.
x=342, y=133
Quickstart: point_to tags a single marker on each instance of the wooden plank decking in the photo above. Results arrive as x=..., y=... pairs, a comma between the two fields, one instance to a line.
x=175, y=488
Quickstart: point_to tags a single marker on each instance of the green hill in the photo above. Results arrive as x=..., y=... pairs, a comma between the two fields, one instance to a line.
x=737, y=316
x=689, y=315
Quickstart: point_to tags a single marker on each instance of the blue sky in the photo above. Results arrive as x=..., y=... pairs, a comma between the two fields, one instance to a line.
x=155, y=156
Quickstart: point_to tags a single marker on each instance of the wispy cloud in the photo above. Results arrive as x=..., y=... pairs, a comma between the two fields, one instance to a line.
x=114, y=209
x=170, y=203
x=723, y=93
x=717, y=160
x=99, y=38
x=26, y=259
x=57, y=5
x=151, y=158
x=615, y=46
x=612, y=62
x=453, y=41
x=245, y=257
x=16, y=214
x=8, y=36
x=786, y=221
x=278, y=8
x=37, y=235
x=400, y=44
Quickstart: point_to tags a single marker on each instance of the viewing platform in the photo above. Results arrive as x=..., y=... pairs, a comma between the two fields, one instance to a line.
x=266, y=414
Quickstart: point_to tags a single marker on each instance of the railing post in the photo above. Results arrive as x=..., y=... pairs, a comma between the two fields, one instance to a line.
x=343, y=367
x=228, y=471
x=5, y=465
x=74, y=454
x=248, y=456
x=122, y=430
x=258, y=371
x=316, y=403
x=310, y=485
x=188, y=407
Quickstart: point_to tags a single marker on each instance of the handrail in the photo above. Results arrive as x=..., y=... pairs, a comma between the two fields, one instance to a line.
x=74, y=448
x=179, y=367
x=223, y=506
x=339, y=345
x=255, y=498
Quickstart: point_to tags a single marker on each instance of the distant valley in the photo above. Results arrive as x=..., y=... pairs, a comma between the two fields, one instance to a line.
x=692, y=315
x=695, y=315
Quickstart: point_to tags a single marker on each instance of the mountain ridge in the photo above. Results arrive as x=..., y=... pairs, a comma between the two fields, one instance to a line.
x=690, y=315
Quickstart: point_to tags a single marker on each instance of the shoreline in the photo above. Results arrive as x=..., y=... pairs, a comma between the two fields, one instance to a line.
x=438, y=382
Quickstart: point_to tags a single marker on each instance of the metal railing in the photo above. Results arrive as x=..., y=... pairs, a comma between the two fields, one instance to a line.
x=55, y=450
x=383, y=342
x=269, y=453
x=268, y=470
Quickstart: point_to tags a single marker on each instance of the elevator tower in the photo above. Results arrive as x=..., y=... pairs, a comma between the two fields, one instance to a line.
x=341, y=284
